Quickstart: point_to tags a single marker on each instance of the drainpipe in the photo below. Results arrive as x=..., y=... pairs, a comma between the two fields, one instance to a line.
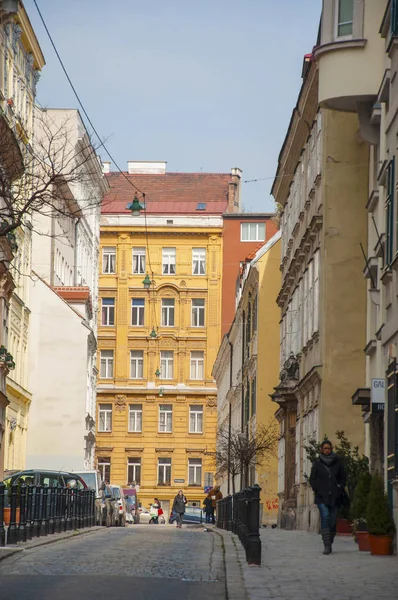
x=231, y=357
x=75, y=253
x=243, y=390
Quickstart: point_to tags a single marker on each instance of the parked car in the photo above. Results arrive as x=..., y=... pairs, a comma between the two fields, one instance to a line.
x=132, y=506
x=44, y=477
x=193, y=514
x=93, y=480
x=145, y=515
x=118, y=496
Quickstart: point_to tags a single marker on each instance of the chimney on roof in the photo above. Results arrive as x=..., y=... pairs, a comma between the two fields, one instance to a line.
x=234, y=190
x=146, y=167
x=106, y=166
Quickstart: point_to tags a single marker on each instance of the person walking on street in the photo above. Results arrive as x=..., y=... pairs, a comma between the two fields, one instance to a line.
x=328, y=481
x=179, y=508
x=214, y=495
x=207, y=502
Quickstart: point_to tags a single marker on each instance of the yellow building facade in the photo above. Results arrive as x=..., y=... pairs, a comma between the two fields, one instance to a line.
x=156, y=397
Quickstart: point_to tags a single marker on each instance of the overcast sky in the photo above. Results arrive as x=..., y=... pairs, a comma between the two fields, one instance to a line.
x=204, y=84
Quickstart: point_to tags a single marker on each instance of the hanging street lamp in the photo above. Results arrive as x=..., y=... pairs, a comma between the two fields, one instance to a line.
x=135, y=206
x=157, y=372
x=153, y=333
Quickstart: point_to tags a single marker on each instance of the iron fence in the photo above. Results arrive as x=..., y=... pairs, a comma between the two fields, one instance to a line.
x=30, y=511
x=240, y=513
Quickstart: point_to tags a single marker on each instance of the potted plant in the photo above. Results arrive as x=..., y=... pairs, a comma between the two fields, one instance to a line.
x=381, y=526
x=358, y=511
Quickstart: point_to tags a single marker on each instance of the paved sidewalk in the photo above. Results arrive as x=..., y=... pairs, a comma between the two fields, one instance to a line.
x=293, y=568
x=6, y=551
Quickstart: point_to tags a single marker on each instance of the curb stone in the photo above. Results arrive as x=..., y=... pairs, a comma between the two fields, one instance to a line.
x=8, y=551
x=234, y=579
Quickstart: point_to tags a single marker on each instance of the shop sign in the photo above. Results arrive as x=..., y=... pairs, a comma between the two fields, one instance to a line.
x=377, y=396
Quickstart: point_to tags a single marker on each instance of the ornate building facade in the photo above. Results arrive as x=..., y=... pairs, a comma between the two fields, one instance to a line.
x=322, y=190
x=21, y=61
x=156, y=397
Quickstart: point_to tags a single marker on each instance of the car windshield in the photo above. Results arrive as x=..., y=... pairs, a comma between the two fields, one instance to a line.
x=89, y=478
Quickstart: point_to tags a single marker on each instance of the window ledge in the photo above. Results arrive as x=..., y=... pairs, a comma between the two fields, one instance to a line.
x=339, y=45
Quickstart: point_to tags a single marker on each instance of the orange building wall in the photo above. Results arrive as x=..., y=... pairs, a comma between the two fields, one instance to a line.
x=234, y=252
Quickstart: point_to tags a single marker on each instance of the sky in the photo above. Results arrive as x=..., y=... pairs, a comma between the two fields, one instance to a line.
x=205, y=85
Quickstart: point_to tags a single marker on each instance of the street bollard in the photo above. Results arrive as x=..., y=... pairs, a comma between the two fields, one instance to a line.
x=22, y=533
x=36, y=511
x=93, y=508
x=69, y=509
x=43, y=512
x=83, y=510
x=12, y=533
x=2, y=529
x=29, y=512
x=51, y=513
x=74, y=509
x=58, y=500
x=253, y=549
x=64, y=507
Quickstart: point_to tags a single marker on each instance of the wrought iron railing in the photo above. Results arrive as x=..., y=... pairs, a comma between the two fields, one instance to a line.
x=30, y=511
x=240, y=513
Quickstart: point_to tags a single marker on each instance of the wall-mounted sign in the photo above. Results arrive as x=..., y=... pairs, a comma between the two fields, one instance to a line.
x=179, y=480
x=377, y=395
x=207, y=488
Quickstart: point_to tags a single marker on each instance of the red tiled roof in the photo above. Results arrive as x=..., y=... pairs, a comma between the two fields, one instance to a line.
x=252, y=254
x=169, y=193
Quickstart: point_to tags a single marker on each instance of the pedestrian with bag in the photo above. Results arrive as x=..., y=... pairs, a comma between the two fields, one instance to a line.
x=154, y=512
x=179, y=508
x=214, y=495
x=328, y=481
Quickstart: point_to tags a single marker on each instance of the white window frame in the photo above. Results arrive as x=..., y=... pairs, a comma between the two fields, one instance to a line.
x=139, y=252
x=167, y=364
x=136, y=364
x=139, y=313
x=197, y=312
x=198, y=261
x=168, y=312
x=197, y=363
x=164, y=465
x=106, y=310
x=109, y=253
x=169, y=261
x=135, y=418
x=105, y=418
x=106, y=364
x=165, y=424
x=337, y=24
x=135, y=465
x=104, y=467
x=196, y=418
x=195, y=468
x=251, y=223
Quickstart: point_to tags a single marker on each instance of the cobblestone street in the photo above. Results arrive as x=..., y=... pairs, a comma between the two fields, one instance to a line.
x=293, y=568
x=141, y=562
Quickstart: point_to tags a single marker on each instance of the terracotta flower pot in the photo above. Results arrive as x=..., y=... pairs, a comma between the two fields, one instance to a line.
x=380, y=545
x=343, y=527
x=7, y=515
x=362, y=538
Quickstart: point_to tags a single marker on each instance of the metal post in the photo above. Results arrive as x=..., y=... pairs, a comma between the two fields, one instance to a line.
x=2, y=529
x=22, y=534
x=69, y=509
x=36, y=511
x=29, y=512
x=12, y=533
x=51, y=516
x=43, y=512
x=93, y=523
x=58, y=500
x=78, y=508
x=63, y=509
x=253, y=552
x=74, y=508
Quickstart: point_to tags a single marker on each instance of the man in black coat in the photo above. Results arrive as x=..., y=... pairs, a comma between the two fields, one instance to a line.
x=328, y=481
